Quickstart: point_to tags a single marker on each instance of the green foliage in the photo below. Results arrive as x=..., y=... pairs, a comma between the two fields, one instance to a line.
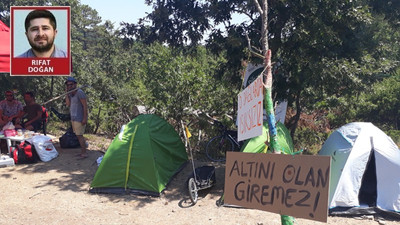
x=381, y=105
x=395, y=135
x=175, y=82
x=308, y=140
x=334, y=49
x=174, y=22
x=55, y=127
x=341, y=111
x=337, y=56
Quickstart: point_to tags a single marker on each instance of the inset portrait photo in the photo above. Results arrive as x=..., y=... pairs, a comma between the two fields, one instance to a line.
x=40, y=40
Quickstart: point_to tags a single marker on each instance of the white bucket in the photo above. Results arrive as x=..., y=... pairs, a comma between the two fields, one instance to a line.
x=5, y=160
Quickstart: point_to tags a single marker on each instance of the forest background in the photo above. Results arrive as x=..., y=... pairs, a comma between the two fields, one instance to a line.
x=335, y=62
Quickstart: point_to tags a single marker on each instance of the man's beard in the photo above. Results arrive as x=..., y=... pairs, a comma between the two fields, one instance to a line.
x=42, y=48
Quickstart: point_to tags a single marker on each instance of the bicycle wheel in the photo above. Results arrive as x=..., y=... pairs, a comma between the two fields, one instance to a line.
x=216, y=148
x=192, y=188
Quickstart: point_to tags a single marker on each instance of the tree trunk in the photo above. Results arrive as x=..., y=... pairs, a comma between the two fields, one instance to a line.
x=51, y=86
x=274, y=144
x=97, y=121
x=292, y=122
x=264, y=28
x=296, y=117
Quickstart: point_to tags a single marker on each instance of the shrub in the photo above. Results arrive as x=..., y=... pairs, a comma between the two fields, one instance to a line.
x=395, y=135
x=308, y=140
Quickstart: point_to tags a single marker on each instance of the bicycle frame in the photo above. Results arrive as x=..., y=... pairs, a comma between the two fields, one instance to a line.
x=232, y=139
x=225, y=132
x=224, y=141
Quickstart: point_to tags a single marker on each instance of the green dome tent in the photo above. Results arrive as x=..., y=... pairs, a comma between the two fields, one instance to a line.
x=142, y=158
x=257, y=144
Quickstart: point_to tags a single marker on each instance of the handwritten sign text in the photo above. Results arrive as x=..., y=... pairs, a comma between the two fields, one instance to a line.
x=290, y=185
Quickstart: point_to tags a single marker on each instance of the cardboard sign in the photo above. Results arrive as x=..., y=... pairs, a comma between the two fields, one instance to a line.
x=250, y=110
x=289, y=185
x=40, y=40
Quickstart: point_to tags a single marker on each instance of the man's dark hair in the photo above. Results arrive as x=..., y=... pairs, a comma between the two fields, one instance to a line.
x=30, y=94
x=40, y=13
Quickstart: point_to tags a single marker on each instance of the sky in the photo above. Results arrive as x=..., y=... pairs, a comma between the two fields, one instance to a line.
x=119, y=10
x=128, y=10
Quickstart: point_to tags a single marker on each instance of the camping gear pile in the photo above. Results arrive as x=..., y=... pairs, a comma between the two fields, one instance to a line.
x=35, y=148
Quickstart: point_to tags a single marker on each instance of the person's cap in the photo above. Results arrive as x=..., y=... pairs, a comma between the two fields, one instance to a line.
x=70, y=79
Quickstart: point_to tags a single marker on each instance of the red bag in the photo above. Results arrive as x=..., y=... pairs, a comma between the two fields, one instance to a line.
x=25, y=153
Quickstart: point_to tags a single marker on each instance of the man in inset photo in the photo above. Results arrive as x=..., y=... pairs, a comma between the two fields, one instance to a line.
x=41, y=31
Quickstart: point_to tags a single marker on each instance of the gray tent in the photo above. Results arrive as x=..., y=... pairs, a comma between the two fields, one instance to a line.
x=365, y=165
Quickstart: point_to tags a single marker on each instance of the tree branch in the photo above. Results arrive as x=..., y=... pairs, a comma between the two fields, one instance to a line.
x=251, y=49
x=259, y=9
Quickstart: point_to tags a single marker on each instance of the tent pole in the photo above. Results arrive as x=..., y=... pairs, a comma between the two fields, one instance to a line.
x=128, y=162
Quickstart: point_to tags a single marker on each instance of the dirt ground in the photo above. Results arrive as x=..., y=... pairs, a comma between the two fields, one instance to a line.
x=56, y=192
